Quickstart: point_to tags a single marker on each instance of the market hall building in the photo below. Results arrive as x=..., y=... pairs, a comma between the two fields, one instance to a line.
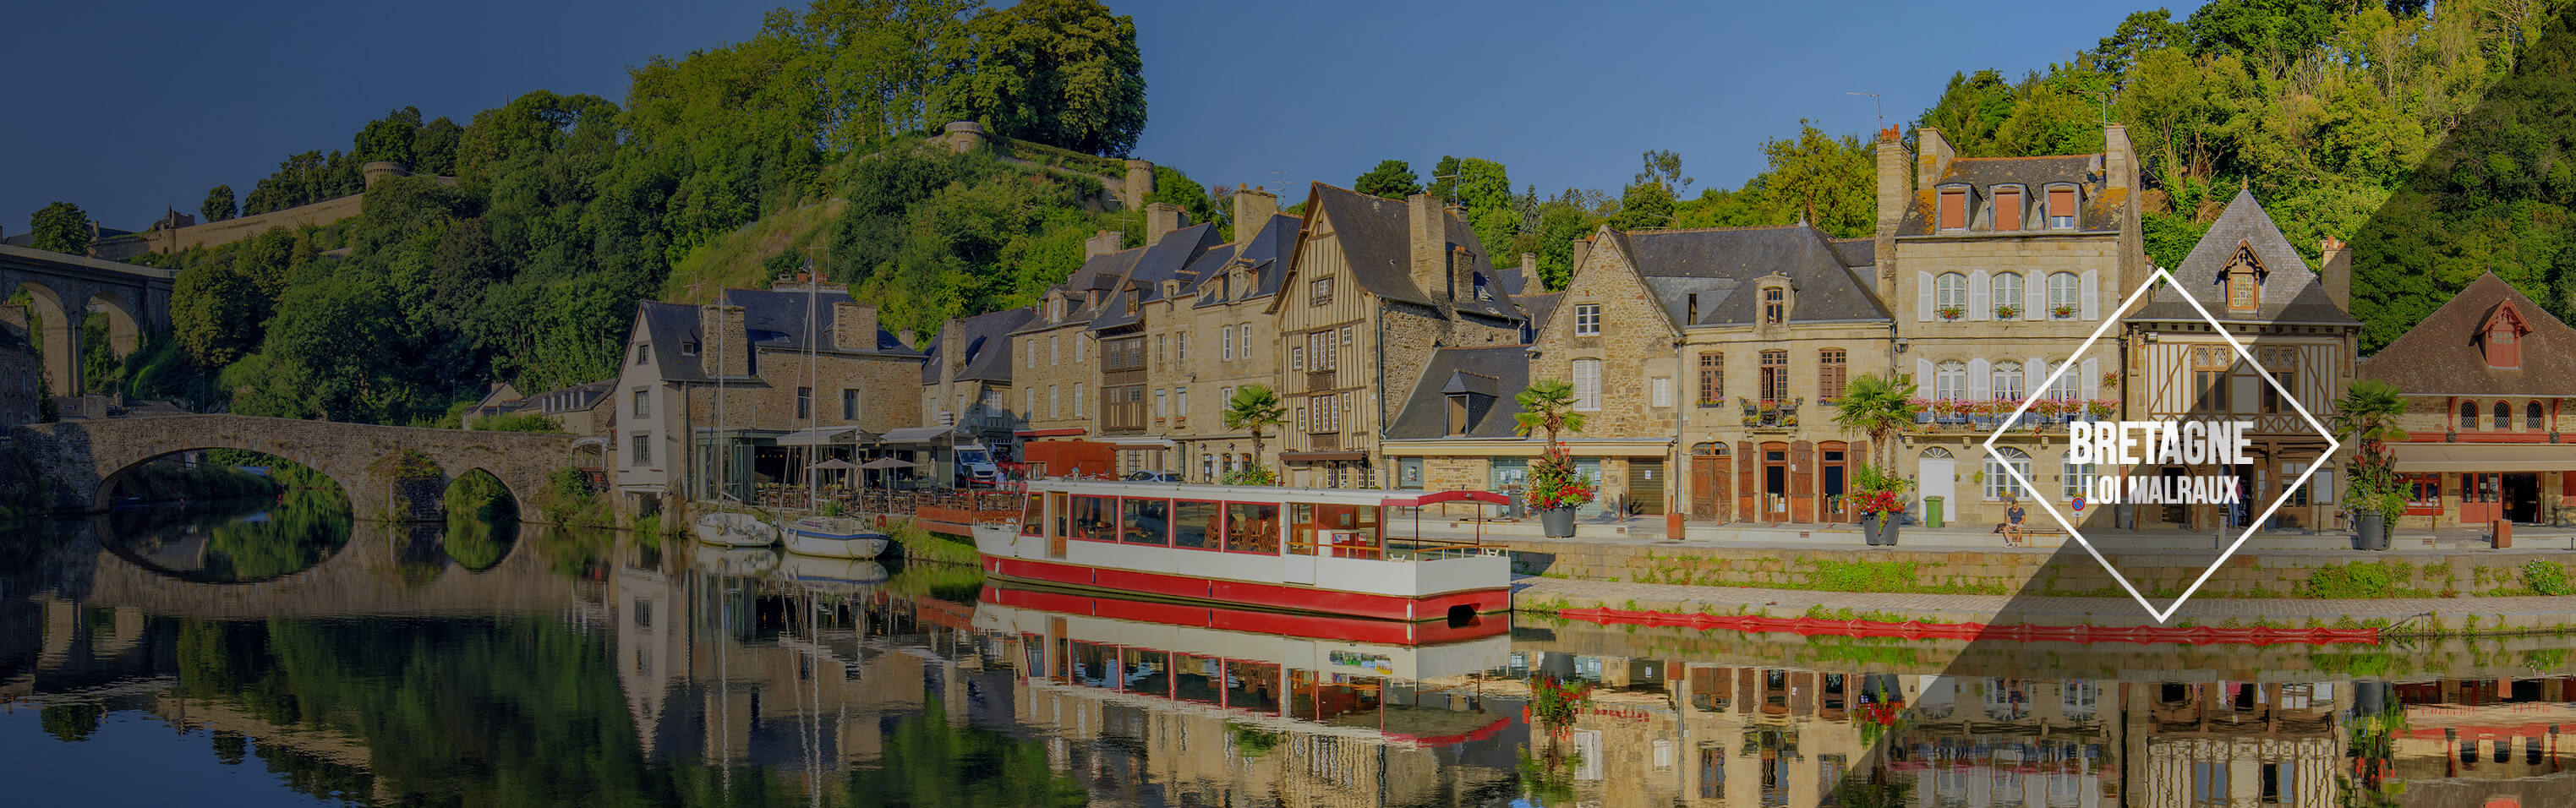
x=2486, y=381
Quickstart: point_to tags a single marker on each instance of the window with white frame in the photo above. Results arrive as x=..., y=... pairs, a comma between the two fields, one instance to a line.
x=1181, y=402
x=2062, y=294
x=1055, y=350
x=1244, y=333
x=2008, y=380
x=1054, y=402
x=2008, y=296
x=1950, y=294
x=1587, y=384
x=2078, y=479
x=1950, y=380
x=1227, y=343
x=1079, y=400
x=2061, y=207
x=1587, y=319
x=1999, y=484
x=1077, y=349
x=1181, y=346
x=1159, y=412
x=2065, y=387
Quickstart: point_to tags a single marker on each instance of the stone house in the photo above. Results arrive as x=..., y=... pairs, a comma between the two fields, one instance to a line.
x=1996, y=269
x=1375, y=288
x=1223, y=339
x=1142, y=347
x=966, y=378
x=751, y=388
x=2489, y=415
x=1055, y=372
x=2293, y=321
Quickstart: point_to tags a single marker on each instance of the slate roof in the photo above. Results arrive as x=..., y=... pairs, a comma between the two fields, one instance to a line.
x=2101, y=204
x=1857, y=252
x=1716, y=263
x=1168, y=258
x=2440, y=356
x=1377, y=242
x=779, y=320
x=1540, y=307
x=2290, y=292
x=987, y=346
x=1098, y=273
x=1266, y=253
x=1494, y=373
x=668, y=326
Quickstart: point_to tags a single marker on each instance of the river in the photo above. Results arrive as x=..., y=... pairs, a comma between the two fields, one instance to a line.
x=258, y=653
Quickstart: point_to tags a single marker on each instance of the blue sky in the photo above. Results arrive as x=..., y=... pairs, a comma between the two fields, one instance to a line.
x=125, y=108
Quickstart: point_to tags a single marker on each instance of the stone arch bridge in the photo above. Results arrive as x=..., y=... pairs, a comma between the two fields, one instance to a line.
x=78, y=458
x=63, y=289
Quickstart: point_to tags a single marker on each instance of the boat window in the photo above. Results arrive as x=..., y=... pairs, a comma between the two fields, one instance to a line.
x=1301, y=528
x=1194, y=678
x=1357, y=519
x=1197, y=524
x=1252, y=527
x=1252, y=686
x=1033, y=516
x=1147, y=521
x=1093, y=518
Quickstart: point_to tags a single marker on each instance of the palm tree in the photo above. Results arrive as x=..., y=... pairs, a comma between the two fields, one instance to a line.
x=1548, y=404
x=2367, y=414
x=1253, y=407
x=1880, y=407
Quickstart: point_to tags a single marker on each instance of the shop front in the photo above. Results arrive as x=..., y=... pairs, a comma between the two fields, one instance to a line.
x=2476, y=484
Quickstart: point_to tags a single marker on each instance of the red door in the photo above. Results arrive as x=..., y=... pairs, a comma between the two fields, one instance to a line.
x=2481, y=500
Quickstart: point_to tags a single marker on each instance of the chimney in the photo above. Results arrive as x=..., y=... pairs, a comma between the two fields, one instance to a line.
x=952, y=350
x=1932, y=156
x=1252, y=209
x=1529, y=264
x=1582, y=250
x=1429, y=233
x=2334, y=272
x=2119, y=160
x=854, y=326
x=1895, y=186
x=1102, y=243
x=721, y=329
x=1162, y=218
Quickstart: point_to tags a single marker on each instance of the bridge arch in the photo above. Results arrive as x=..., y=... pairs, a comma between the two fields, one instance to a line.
x=124, y=325
x=82, y=455
x=51, y=325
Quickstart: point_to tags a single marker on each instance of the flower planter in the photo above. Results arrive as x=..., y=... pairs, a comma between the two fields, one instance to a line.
x=1558, y=523
x=1878, y=529
x=2370, y=531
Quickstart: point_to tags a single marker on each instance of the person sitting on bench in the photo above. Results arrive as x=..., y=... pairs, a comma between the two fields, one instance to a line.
x=2012, y=523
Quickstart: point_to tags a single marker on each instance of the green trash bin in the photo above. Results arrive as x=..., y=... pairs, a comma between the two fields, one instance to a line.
x=1931, y=511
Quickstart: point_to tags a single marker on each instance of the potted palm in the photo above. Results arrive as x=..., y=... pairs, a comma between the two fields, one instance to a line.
x=1880, y=407
x=2366, y=417
x=1252, y=408
x=1556, y=488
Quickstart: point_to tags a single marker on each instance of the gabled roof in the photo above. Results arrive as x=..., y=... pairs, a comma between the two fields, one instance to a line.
x=986, y=339
x=668, y=326
x=1377, y=242
x=1540, y=307
x=1099, y=273
x=1167, y=259
x=1715, y=263
x=2441, y=356
x=1982, y=174
x=1265, y=254
x=2290, y=291
x=1494, y=372
x=780, y=320
x=1857, y=252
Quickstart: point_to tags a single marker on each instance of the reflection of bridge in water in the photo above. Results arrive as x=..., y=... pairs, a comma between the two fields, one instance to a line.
x=371, y=576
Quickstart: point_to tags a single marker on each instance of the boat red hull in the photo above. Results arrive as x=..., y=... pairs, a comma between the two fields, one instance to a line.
x=1285, y=624
x=1259, y=595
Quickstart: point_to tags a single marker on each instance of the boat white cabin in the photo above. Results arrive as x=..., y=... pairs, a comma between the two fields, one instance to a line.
x=1354, y=552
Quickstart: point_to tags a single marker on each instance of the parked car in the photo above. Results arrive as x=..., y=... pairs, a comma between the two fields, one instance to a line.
x=1153, y=477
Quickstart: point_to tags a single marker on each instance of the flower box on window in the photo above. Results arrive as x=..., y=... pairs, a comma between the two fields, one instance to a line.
x=2062, y=312
x=1950, y=312
x=2007, y=312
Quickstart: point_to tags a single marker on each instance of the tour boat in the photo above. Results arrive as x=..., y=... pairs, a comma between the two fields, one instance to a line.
x=1338, y=551
x=731, y=529
x=834, y=537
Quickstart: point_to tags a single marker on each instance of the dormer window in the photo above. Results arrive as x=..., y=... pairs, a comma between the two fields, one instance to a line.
x=1483, y=292
x=2244, y=278
x=1172, y=288
x=1457, y=414
x=2061, y=207
x=1093, y=301
x=689, y=348
x=1775, y=305
x=1952, y=213
x=2008, y=208
x=1134, y=295
x=2501, y=340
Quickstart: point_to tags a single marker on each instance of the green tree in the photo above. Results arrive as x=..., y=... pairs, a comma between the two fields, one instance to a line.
x=216, y=314
x=1880, y=407
x=2367, y=416
x=60, y=227
x=219, y=204
x=1392, y=179
x=1254, y=408
x=1060, y=72
x=1829, y=182
x=1548, y=404
x=388, y=138
x=1664, y=168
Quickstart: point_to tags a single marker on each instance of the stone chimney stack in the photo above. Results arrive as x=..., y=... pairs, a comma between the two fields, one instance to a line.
x=1529, y=267
x=1895, y=184
x=1574, y=263
x=854, y=326
x=1932, y=155
x=952, y=349
x=2334, y=272
x=2119, y=160
x=1252, y=209
x=1162, y=218
x=1102, y=243
x=1429, y=234
x=724, y=353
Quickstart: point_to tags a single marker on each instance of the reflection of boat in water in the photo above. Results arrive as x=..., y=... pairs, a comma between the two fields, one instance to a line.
x=724, y=560
x=832, y=575
x=730, y=529
x=834, y=537
x=1173, y=657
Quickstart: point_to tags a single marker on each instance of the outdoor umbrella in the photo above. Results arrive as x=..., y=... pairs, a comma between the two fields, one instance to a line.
x=884, y=463
x=836, y=464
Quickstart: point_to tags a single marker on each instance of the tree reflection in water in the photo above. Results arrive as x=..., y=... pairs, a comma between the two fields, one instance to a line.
x=236, y=540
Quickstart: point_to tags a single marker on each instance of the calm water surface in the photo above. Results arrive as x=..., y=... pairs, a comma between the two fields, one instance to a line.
x=271, y=653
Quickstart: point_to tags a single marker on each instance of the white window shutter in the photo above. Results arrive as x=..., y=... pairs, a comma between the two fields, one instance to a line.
x=2034, y=296
x=2091, y=384
x=1981, y=379
x=1923, y=297
x=2034, y=376
x=1981, y=303
x=1923, y=381
x=2086, y=290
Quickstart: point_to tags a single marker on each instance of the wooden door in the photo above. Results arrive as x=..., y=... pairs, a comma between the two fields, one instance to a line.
x=1802, y=482
x=1712, y=493
x=2480, y=501
x=1748, y=486
x=1056, y=509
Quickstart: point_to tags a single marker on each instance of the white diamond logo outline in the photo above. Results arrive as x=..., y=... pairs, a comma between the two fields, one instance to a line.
x=2333, y=445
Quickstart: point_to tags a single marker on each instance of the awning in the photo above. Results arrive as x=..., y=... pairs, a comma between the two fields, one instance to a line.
x=1321, y=457
x=823, y=436
x=1447, y=496
x=1070, y=432
x=2484, y=457
x=917, y=434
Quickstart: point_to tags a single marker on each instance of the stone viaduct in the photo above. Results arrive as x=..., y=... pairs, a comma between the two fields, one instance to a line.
x=77, y=458
x=66, y=288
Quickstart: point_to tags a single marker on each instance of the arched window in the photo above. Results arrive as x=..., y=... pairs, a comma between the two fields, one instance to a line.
x=1950, y=295
x=2063, y=299
x=2008, y=300
x=2504, y=416
x=1936, y=453
x=1711, y=448
x=2079, y=479
x=1999, y=484
x=2468, y=415
x=1950, y=380
x=2531, y=418
x=2008, y=380
x=2066, y=386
